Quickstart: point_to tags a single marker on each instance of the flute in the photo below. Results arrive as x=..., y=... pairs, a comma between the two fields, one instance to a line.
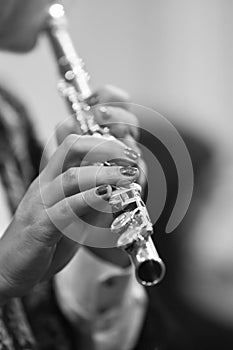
x=133, y=226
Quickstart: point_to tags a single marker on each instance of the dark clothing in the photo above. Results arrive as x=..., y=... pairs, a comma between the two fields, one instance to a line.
x=20, y=154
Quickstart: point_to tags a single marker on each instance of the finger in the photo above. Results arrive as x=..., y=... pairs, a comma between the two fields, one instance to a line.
x=70, y=209
x=87, y=149
x=107, y=95
x=130, y=141
x=75, y=180
x=142, y=178
x=110, y=95
x=65, y=128
x=120, y=121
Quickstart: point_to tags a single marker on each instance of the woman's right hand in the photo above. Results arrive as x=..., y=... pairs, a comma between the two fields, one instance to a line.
x=32, y=247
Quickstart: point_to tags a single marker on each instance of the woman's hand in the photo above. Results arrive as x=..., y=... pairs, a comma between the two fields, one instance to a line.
x=111, y=108
x=32, y=247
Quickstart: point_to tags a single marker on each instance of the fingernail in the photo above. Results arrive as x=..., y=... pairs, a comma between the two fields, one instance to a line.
x=93, y=100
x=105, y=112
x=102, y=190
x=129, y=152
x=128, y=171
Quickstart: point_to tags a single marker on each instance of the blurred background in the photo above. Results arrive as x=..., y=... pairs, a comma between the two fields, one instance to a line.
x=174, y=56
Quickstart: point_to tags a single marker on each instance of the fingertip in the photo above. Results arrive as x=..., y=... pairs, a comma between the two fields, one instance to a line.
x=129, y=172
x=122, y=95
x=132, y=154
x=104, y=191
x=93, y=100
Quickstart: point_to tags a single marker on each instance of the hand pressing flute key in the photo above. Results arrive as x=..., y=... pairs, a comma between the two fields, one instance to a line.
x=133, y=225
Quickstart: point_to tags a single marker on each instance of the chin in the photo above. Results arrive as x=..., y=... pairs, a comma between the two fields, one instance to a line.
x=19, y=45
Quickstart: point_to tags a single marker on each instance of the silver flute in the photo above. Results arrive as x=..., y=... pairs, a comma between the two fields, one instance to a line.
x=133, y=225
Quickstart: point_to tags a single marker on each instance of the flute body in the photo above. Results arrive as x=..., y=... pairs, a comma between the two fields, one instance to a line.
x=133, y=225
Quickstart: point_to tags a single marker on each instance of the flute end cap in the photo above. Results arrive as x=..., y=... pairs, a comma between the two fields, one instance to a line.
x=150, y=272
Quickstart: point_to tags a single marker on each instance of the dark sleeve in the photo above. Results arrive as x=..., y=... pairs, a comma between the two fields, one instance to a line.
x=34, y=146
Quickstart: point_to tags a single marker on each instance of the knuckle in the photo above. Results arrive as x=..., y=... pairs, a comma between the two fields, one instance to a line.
x=116, y=144
x=64, y=208
x=70, y=175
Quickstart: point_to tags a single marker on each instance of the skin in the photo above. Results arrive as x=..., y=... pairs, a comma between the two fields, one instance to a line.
x=32, y=248
x=41, y=246
x=21, y=22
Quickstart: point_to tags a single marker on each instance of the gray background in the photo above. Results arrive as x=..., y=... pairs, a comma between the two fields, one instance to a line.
x=175, y=56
